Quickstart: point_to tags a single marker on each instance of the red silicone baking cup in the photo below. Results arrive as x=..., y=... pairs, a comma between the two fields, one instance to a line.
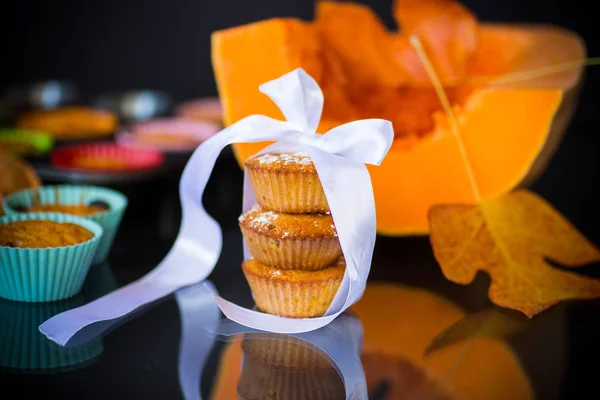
x=105, y=157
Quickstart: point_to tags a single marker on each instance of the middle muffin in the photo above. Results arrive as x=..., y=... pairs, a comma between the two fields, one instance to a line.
x=291, y=241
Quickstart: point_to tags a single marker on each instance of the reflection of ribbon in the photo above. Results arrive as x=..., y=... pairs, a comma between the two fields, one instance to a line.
x=339, y=157
x=340, y=341
x=200, y=317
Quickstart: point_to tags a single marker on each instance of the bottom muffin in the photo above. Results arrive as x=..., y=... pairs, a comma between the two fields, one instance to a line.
x=293, y=293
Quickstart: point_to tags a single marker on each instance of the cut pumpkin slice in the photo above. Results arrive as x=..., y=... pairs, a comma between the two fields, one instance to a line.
x=511, y=127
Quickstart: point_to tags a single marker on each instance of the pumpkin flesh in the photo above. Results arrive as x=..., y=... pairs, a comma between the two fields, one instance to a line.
x=504, y=126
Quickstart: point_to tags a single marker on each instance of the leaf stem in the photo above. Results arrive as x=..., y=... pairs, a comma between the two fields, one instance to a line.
x=439, y=89
x=534, y=73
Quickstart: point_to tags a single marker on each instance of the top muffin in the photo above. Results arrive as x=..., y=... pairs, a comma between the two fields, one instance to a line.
x=287, y=183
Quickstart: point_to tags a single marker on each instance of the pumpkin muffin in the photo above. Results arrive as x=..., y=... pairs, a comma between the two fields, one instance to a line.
x=99, y=204
x=45, y=256
x=287, y=183
x=42, y=234
x=290, y=241
x=73, y=209
x=71, y=122
x=293, y=293
x=16, y=175
x=261, y=379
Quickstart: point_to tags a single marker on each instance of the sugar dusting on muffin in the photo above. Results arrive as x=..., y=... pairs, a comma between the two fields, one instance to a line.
x=283, y=225
x=285, y=158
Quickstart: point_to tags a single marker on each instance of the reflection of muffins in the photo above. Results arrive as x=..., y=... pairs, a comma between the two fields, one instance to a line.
x=301, y=376
x=53, y=270
x=287, y=183
x=23, y=347
x=76, y=195
x=284, y=350
x=70, y=122
x=293, y=293
x=291, y=241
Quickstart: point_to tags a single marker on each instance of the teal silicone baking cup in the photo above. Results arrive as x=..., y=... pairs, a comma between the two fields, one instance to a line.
x=24, y=349
x=46, y=274
x=77, y=194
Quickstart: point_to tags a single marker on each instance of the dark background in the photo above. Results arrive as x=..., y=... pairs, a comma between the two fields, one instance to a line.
x=114, y=44
x=151, y=44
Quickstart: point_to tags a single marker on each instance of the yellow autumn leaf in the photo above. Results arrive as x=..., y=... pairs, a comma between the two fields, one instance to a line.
x=512, y=238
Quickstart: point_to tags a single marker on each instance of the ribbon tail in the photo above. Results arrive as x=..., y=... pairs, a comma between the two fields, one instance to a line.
x=200, y=317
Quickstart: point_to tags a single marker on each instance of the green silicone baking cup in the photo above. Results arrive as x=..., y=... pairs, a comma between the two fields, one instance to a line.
x=40, y=141
x=23, y=348
x=46, y=274
x=78, y=194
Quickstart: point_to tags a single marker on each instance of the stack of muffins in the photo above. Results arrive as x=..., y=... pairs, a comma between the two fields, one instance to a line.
x=297, y=263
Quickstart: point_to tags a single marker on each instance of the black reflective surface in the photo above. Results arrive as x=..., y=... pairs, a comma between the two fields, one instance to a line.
x=143, y=356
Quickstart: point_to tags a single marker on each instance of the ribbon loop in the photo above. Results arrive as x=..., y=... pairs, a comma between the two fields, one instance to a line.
x=299, y=98
x=366, y=141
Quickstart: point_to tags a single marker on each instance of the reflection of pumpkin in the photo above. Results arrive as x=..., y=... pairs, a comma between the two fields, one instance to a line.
x=504, y=129
x=416, y=318
x=400, y=379
x=394, y=341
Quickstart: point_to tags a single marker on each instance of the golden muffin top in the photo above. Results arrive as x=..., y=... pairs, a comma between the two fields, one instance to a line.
x=282, y=162
x=292, y=226
x=73, y=209
x=42, y=234
x=335, y=271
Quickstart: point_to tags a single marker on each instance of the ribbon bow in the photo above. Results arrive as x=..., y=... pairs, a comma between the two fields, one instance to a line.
x=339, y=157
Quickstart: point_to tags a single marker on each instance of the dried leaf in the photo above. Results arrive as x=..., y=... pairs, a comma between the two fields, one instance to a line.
x=510, y=238
x=487, y=323
x=448, y=31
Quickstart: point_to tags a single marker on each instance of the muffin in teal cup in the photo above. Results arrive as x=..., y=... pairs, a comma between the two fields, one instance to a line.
x=102, y=205
x=45, y=256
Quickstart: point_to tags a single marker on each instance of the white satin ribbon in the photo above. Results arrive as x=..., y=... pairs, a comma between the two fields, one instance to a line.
x=339, y=156
x=200, y=318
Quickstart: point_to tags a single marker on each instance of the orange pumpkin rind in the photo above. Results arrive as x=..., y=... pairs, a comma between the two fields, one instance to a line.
x=510, y=128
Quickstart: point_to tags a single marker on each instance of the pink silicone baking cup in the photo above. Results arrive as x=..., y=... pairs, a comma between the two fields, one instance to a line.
x=139, y=135
x=206, y=109
x=82, y=157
